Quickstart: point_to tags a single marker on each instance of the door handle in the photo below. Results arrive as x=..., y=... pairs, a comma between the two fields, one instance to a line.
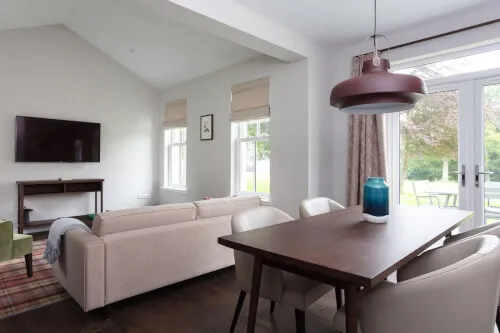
x=461, y=173
x=481, y=173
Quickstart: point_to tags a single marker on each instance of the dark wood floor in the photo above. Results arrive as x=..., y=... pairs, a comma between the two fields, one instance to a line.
x=203, y=305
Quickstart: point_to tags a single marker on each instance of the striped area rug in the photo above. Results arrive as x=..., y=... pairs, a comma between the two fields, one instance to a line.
x=19, y=294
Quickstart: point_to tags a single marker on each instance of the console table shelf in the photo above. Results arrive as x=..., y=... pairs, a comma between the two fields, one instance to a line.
x=37, y=187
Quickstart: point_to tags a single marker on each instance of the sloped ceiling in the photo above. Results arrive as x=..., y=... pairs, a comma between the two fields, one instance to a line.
x=161, y=51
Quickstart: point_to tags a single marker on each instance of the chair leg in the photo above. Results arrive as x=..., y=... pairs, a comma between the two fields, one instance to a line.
x=300, y=321
x=271, y=308
x=237, y=311
x=29, y=264
x=338, y=297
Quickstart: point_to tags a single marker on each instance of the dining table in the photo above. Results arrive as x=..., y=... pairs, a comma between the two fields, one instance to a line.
x=343, y=250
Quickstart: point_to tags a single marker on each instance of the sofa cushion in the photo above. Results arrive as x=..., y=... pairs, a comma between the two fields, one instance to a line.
x=225, y=206
x=140, y=218
x=143, y=260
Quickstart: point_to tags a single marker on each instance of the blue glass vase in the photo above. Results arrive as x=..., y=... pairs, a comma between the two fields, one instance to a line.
x=376, y=200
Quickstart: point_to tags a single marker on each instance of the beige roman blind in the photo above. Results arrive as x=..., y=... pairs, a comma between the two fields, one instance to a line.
x=250, y=100
x=175, y=114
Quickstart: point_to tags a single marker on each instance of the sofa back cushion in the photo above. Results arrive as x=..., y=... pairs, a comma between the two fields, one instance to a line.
x=225, y=206
x=140, y=218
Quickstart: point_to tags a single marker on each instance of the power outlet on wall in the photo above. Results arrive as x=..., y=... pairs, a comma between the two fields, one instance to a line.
x=143, y=196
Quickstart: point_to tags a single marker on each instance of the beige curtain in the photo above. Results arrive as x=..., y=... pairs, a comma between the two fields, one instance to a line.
x=175, y=114
x=366, y=147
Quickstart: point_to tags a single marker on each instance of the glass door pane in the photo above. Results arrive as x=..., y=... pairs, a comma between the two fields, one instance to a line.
x=487, y=172
x=429, y=151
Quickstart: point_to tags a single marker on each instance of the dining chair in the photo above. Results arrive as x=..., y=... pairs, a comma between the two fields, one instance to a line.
x=277, y=286
x=491, y=191
x=317, y=206
x=488, y=229
x=14, y=246
x=453, y=288
x=419, y=188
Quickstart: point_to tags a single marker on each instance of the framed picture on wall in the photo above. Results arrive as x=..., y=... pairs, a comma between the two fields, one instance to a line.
x=207, y=127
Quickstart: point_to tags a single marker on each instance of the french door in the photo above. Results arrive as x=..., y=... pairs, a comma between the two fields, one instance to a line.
x=486, y=177
x=446, y=151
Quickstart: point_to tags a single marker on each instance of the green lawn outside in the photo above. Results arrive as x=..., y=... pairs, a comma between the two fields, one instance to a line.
x=263, y=183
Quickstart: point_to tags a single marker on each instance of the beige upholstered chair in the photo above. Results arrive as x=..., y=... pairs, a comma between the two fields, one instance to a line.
x=276, y=285
x=316, y=206
x=449, y=289
x=489, y=229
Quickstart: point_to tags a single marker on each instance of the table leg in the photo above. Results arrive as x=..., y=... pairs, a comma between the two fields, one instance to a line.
x=454, y=201
x=254, y=294
x=351, y=309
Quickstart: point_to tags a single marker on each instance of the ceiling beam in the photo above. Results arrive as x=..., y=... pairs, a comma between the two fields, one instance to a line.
x=236, y=23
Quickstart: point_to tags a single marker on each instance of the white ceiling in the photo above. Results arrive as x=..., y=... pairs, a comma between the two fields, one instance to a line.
x=165, y=52
x=161, y=51
x=341, y=21
x=31, y=13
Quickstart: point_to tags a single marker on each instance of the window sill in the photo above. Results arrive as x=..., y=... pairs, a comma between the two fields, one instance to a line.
x=173, y=189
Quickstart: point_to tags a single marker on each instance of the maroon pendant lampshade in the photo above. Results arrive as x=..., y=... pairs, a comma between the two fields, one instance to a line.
x=378, y=91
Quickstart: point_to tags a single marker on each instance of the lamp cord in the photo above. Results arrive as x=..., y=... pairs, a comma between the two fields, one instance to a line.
x=376, y=59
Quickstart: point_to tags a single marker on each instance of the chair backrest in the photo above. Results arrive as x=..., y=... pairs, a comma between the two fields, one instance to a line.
x=419, y=188
x=316, y=206
x=6, y=234
x=272, y=279
x=492, y=190
x=447, y=276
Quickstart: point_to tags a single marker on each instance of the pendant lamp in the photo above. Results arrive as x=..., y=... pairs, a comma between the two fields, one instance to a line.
x=377, y=90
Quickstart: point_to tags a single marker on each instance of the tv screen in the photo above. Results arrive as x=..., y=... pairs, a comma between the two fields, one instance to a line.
x=52, y=140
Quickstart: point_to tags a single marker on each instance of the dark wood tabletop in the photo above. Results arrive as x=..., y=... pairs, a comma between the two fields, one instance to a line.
x=342, y=246
x=341, y=249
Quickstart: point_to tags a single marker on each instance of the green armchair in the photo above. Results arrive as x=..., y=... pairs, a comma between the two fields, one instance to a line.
x=13, y=246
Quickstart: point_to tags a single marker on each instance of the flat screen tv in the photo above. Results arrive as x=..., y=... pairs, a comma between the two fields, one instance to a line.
x=52, y=140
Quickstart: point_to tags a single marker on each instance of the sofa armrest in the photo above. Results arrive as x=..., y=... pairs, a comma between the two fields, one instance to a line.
x=80, y=268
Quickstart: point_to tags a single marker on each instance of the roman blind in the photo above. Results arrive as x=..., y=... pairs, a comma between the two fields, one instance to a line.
x=250, y=100
x=175, y=114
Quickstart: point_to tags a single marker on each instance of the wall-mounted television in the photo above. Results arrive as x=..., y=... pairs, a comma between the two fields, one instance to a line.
x=52, y=140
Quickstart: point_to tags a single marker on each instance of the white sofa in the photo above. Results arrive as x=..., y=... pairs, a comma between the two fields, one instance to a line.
x=134, y=251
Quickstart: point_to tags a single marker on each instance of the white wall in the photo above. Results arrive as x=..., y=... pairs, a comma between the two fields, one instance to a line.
x=53, y=73
x=340, y=68
x=209, y=162
x=320, y=126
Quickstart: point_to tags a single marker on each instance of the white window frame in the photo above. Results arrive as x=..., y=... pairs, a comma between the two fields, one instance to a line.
x=236, y=155
x=470, y=128
x=167, y=168
x=392, y=133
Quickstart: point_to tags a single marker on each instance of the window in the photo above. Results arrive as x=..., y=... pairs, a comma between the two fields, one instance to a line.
x=462, y=65
x=175, y=158
x=252, y=157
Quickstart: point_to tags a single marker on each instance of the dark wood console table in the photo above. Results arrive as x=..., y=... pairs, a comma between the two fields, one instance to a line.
x=34, y=187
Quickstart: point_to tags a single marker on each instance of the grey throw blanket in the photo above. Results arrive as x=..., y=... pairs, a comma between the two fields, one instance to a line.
x=57, y=229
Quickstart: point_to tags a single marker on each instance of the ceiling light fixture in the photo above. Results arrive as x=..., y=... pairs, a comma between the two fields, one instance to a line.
x=377, y=90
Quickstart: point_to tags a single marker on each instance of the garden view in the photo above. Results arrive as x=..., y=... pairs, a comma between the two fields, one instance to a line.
x=429, y=146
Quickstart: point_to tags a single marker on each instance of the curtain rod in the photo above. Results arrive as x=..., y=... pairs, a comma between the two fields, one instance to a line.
x=472, y=27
